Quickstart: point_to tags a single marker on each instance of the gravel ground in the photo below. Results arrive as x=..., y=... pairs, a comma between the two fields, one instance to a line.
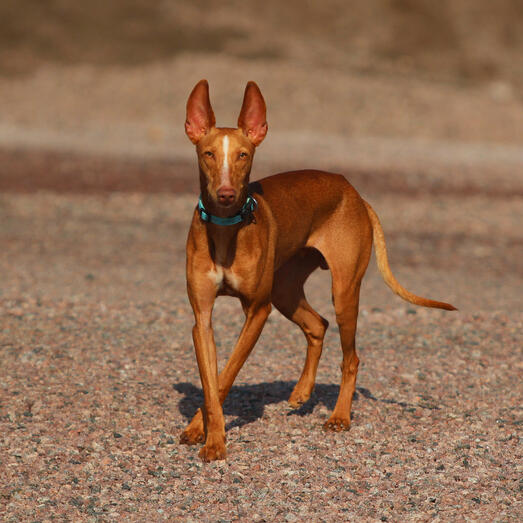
x=422, y=111
x=99, y=375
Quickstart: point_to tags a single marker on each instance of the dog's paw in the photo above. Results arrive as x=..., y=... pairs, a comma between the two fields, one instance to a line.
x=298, y=398
x=192, y=435
x=300, y=394
x=213, y=451
x=336, y=424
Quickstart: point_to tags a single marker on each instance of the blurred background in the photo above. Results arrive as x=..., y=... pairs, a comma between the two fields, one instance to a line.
x=375, y=84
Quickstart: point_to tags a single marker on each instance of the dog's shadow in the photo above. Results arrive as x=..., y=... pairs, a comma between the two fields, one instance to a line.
x=247, y=402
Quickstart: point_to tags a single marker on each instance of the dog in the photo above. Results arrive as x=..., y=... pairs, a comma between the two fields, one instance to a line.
x=260, y=242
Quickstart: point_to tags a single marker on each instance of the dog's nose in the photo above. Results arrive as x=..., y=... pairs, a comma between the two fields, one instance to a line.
x=226, y=195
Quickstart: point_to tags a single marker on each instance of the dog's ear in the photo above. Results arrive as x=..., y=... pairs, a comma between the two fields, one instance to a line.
x=252, y=120
x=200, y=117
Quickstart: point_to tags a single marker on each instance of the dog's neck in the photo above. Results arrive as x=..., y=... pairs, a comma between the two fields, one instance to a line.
x=222, y=243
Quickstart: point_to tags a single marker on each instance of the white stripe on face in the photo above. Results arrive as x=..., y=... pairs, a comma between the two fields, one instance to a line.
x=225, y=166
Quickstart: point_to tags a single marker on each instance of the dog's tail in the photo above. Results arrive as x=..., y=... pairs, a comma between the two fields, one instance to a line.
x=383, y=265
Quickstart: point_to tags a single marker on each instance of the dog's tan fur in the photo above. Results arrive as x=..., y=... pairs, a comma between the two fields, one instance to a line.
x=304, y=220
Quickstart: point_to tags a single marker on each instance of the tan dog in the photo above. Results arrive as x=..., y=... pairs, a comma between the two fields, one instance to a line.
x=260, y=242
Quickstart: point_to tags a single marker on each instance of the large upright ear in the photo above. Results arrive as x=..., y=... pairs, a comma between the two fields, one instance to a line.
x=252, y=120
x=200, y=117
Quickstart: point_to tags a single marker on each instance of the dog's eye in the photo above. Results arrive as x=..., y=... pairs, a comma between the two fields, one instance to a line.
x=243, y=155
x=209, y=154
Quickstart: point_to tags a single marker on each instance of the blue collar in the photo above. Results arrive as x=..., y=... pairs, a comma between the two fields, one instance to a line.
x=248, y=208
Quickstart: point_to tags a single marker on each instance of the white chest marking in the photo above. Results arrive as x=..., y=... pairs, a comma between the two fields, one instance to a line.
x=220, y=274
x=216, y=276
x=225, y=165
x=233, y=280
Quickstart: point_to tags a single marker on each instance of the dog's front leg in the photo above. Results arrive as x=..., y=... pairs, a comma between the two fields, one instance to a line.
x=256, y=316
x=202, y=294
x=214, y=424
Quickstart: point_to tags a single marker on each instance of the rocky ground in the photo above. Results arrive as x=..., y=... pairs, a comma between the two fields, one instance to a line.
x=99, y=376
x=418, y=103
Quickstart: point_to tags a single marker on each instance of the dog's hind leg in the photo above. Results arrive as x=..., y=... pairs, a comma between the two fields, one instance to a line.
x=346, y=302
x=289, y=298
x=346, y=244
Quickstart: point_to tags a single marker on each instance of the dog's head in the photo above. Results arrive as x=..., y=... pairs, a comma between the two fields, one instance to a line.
x=225, y=154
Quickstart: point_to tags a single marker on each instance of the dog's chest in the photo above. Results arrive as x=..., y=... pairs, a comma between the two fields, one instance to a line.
x=226, y=280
